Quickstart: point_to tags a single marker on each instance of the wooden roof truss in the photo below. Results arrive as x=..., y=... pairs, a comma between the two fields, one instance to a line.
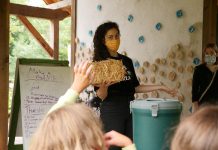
x=54, y=12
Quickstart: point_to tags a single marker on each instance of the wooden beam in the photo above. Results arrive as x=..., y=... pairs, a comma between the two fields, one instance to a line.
x=38, y=12
x=73, y=31
x=59, y=5
x=37, y=35
x=4, y=72
x=55, y=38
x=209, y=22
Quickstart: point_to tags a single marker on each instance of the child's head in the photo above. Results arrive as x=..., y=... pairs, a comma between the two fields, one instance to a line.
x=73, y=127
x=198, y=132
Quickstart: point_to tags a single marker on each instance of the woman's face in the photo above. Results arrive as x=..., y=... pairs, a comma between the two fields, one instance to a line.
x=112, y=40
x=210, y=56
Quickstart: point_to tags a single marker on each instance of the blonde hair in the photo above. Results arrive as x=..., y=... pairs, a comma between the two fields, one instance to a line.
x=198, y=132
x=74, y=127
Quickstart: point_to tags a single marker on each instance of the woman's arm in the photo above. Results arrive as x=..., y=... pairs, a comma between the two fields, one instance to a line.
x=147, y=88
x=150, y=88
x=102, y=91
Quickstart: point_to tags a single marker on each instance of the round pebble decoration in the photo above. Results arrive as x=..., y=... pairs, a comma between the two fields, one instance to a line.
x=179, y=13
x=130, y=18
x=158, y=26
x=141, y=39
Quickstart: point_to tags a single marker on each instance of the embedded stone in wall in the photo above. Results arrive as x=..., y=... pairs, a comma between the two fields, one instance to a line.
x=191, y=29
x=158, y=26
x=171, y=55
x=152, y=79
x=190, y=69
x=172, y=64
x=162, y=73
x=153, y=67
x=99, y=7
x=154, y=94
x=179, y=13
x=136, y=63
x=177, y=47
x=141, y=39
x=141, y=70
x=181, y=98
x=163, y=61
x=196, y=61
x=172, y=76
x=130, y=18
x=178, y=84
x=157, y=60
x=146, y=64
x=180, y=69
x=145, y=95
x=144, y=79
x=90, y=33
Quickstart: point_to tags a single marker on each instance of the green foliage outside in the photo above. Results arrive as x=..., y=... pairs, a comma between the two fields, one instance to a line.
x=23, y=45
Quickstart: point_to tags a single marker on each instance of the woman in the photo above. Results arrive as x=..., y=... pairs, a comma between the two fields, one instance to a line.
x=114, y=109
x=202, y=78
x=198, y=131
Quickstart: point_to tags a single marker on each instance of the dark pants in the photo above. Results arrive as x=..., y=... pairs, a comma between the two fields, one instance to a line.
x=118, y=119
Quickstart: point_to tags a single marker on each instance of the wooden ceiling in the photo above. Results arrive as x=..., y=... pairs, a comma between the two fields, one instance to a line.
x=61, y=3
x=54, y=11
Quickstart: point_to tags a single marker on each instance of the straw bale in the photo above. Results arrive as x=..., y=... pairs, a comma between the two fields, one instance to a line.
x=107, y=71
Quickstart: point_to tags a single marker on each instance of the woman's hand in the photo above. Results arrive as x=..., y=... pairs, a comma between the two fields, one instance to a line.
x=82, y=76
x=173, y=92
x=102, y=92
x=114, y=138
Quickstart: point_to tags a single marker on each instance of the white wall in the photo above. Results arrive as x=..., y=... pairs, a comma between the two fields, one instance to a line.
x=174, y=37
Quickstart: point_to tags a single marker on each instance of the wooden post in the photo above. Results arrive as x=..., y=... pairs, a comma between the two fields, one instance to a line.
x=73, y=31
x=4, y=72
x=209, y=21
x=55, y=38
x=217, y=23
